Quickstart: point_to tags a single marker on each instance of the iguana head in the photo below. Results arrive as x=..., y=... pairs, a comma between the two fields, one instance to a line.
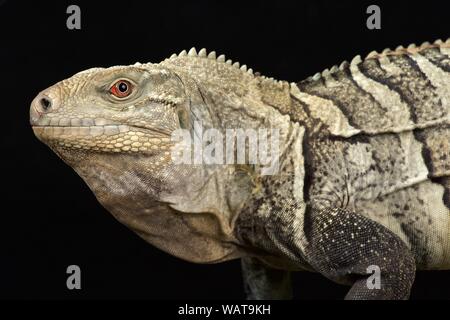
x=120, y=110
x=114, y=126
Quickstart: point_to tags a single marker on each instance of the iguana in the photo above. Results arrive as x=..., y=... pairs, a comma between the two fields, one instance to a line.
x=363, y=172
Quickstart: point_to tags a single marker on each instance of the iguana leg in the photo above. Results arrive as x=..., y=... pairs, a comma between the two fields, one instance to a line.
x=263, y=282
x=342, y=245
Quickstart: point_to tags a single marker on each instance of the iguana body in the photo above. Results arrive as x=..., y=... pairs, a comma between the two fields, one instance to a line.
x=363, y=173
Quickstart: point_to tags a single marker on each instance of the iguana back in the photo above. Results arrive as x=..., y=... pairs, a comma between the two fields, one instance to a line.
x=380, y=144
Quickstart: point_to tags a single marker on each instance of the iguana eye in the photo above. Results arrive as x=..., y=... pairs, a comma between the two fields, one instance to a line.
x=121, y=89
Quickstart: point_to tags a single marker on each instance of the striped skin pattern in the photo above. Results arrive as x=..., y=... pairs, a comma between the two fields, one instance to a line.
x=364, y=168
x=376, y=186
x=395, y=167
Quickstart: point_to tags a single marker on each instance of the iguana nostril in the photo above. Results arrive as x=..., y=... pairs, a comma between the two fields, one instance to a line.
x=45, y=103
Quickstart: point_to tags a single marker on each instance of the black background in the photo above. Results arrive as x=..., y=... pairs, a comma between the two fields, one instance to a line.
x=50, y=219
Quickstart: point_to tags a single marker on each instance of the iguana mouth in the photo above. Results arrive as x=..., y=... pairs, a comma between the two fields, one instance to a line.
x=109, y=129
x=107, y=138
x=82, y=130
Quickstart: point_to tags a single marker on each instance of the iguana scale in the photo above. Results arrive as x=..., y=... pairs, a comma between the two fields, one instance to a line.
x=364, y=167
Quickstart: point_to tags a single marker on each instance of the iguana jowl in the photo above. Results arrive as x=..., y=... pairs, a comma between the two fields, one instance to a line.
x=364, y=172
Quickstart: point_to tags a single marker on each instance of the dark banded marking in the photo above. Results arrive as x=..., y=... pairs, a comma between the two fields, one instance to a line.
x=435, y=149
x=324, y=110
x=436, y=155
x=397, y=117
x=435, y=56
x=358, y=105
x=300, y=113
x=372, y=69
x=411, y=84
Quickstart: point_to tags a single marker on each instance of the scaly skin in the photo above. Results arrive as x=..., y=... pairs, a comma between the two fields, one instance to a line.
x=339, y=202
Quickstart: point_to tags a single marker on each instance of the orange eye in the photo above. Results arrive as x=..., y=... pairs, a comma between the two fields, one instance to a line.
x=121, y=89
